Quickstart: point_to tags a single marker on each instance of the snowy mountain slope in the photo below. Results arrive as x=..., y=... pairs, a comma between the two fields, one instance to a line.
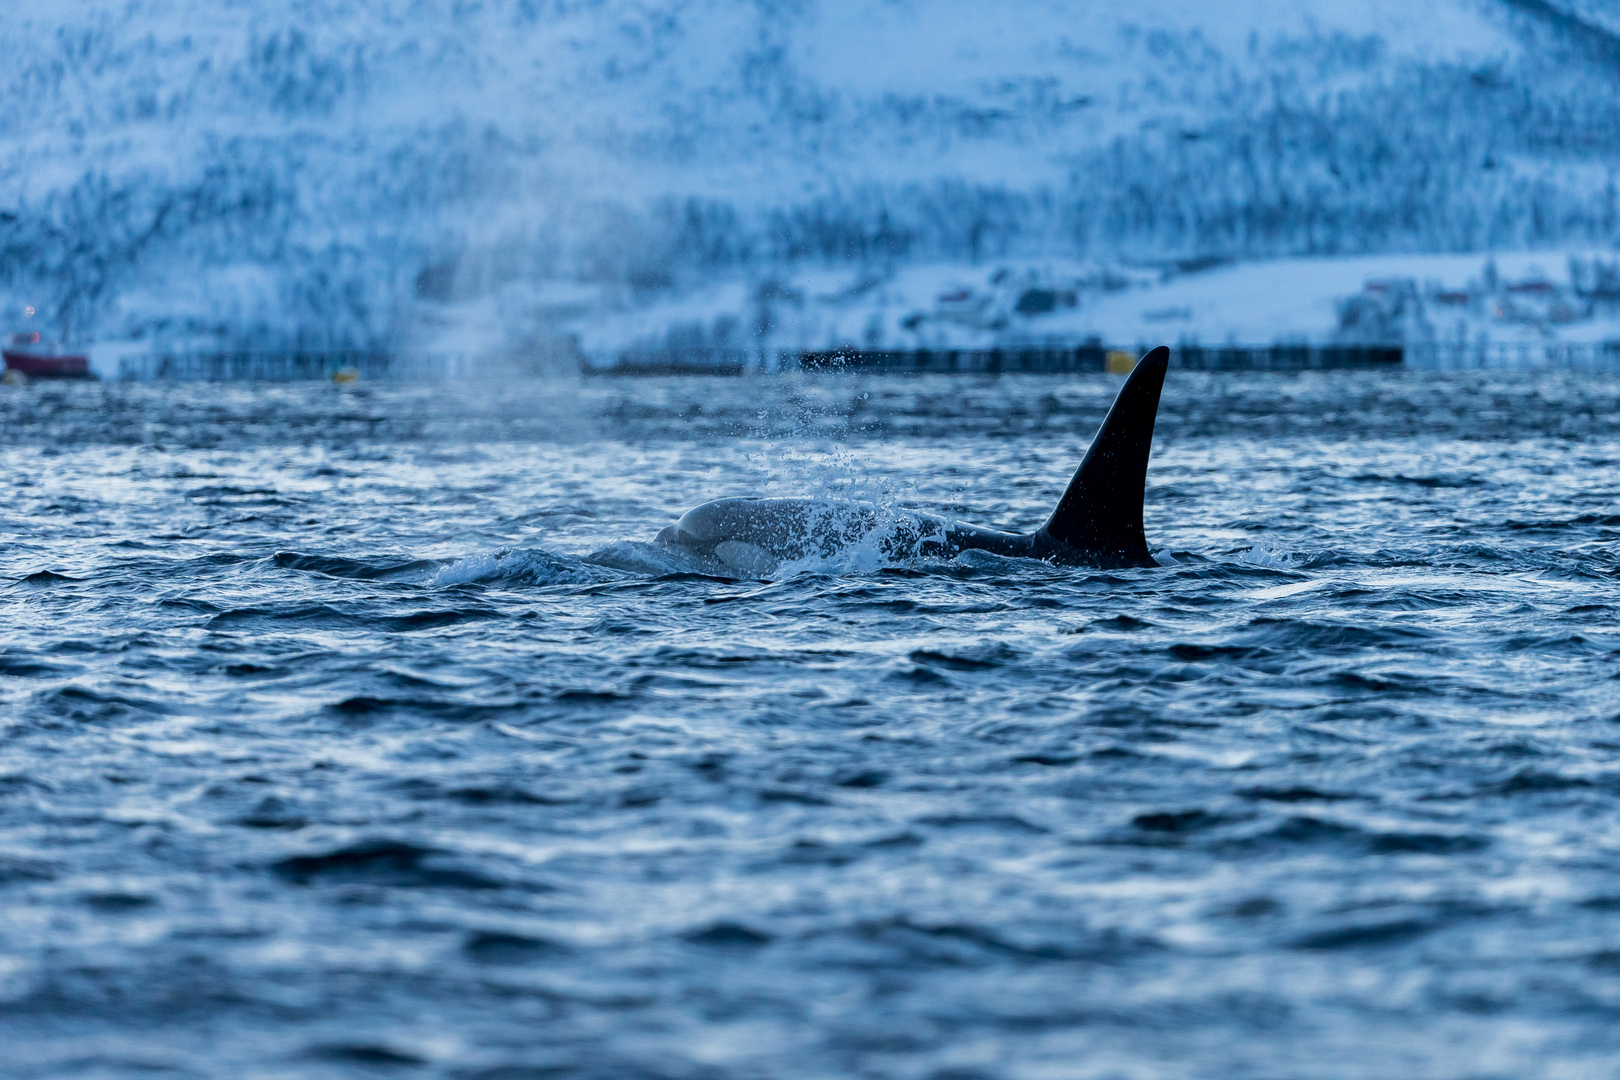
x=1591, y=25
x=325, y=172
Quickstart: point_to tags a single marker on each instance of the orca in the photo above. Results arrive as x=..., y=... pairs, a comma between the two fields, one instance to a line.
x=1097, y=522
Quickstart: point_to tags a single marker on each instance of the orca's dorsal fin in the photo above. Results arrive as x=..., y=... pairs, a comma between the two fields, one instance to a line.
x=1101, y=512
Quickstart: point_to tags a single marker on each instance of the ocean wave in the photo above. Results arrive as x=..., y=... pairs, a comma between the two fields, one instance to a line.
x=523, y=566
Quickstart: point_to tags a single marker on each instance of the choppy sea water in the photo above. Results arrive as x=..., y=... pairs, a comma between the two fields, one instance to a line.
x=363, y=733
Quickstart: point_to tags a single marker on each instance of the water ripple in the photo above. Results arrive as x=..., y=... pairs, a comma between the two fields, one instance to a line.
x=350, y=733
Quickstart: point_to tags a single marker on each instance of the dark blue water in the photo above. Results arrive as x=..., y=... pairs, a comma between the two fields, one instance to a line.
x=362, y=733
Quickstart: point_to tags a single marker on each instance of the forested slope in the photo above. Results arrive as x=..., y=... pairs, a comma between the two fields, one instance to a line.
x=319, y=172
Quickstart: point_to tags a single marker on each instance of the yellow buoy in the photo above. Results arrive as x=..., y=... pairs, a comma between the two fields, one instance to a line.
x=1120, y=362
x=344, y=375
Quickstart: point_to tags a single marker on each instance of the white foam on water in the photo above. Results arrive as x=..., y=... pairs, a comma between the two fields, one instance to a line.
x=1271, y=557
x=526, y=566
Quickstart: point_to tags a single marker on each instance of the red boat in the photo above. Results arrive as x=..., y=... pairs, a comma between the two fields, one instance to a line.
x=28, y=356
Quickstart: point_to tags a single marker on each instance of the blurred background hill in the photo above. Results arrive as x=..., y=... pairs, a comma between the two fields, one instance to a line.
x=530, y=178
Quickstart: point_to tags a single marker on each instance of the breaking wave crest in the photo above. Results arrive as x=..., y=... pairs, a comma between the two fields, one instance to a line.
x=522, y=566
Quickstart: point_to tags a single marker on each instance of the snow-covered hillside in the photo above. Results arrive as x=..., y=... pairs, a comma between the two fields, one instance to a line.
x=487, y=176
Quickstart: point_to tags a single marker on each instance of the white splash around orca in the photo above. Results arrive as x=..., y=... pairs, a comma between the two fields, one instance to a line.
x=1097, y=522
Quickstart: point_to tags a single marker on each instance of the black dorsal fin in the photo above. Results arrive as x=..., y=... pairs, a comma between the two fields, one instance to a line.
x=1101, y=512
